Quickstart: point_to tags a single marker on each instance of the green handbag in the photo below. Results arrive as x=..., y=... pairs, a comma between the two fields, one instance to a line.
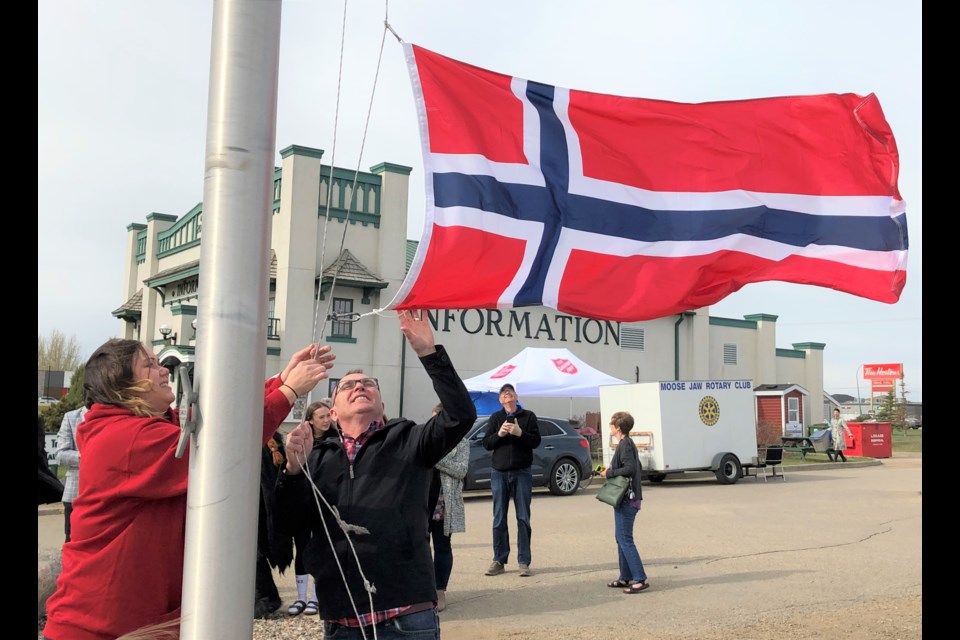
x=613, y=490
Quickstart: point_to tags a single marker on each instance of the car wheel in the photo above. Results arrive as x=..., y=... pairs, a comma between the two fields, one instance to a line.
x=565, y=478
x=657, y=478
x=729, y=470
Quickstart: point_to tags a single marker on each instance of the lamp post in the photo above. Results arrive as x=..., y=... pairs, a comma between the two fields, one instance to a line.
x=857, y=379
x=165, y=331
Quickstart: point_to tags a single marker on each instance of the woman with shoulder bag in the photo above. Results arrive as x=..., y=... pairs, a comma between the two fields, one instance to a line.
x=625, y=462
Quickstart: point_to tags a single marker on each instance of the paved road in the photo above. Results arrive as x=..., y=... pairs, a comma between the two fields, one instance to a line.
x=829, y=548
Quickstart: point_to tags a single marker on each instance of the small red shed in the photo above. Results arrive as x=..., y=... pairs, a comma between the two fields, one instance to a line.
x=779, y=411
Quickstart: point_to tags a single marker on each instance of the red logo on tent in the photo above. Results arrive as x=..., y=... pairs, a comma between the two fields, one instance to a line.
x=503, y=372
x=564, y=366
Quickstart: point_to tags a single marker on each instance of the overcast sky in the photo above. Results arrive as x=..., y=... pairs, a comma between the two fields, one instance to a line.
x=122, y=95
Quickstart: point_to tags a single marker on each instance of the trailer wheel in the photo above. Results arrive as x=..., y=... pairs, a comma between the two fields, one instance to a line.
x=564, y=478
x=729, y=470
x=657, y=478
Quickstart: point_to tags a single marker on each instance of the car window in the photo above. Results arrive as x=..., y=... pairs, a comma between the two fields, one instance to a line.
x=479, y=427
x=549, y=428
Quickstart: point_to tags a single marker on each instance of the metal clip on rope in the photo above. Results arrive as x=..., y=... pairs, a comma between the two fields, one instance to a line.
x=189, y=408
x=343, y=317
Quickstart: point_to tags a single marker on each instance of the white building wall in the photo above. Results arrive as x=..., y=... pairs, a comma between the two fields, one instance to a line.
x=700, y=338
x=294, y=231
x=813, y=374
x=131, y=278
x=765, y=343
x=745, y=340
x=152, y=302
x=791, y=371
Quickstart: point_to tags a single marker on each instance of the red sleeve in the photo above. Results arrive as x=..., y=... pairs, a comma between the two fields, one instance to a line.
x=149, y=468
x=276, y=407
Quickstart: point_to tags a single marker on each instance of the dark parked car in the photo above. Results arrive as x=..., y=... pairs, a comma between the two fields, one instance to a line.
x=562, y=462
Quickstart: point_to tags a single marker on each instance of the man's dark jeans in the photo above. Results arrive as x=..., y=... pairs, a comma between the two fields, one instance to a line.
x=422, y=625
x=516, y=485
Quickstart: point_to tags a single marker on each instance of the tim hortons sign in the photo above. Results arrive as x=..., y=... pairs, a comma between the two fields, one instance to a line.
x=882, y=385
x=882, y=371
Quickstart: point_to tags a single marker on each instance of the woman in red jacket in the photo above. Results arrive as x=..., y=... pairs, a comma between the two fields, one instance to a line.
x=123, y=567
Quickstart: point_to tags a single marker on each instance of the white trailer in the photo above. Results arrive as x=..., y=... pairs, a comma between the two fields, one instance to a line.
x=686, y=425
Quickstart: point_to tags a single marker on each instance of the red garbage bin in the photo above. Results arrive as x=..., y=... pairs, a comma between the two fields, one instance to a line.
x=870, y=440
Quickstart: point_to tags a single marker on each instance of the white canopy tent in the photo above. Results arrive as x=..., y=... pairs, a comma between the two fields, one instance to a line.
x=552, y=373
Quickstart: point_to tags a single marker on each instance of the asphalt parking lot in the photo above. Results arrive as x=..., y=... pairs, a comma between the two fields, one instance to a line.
x=832, y=552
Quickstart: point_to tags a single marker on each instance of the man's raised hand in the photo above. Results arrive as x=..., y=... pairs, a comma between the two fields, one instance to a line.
x=415, y=325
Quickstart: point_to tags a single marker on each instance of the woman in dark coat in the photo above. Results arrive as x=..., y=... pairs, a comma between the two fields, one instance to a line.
x=318, y=415
x=625, y=462
x=274, y=548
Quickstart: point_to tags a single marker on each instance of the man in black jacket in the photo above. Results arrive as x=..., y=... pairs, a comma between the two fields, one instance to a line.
x=377, y=475
x=512, y=434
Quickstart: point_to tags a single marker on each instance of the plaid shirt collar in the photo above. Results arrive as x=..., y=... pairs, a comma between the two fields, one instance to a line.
x=352, y=445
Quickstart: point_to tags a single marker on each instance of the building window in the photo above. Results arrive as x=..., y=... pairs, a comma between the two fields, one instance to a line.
x=342, y=328
x=729, y=353
x=631, y=337
x=793, y=409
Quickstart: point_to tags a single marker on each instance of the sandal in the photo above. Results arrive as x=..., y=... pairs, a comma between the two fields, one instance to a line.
x=637, y=587
x=619, y=583
x=297, y=608
x=313, y=608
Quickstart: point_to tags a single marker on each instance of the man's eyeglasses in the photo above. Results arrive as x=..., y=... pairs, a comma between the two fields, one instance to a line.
x=367, y=383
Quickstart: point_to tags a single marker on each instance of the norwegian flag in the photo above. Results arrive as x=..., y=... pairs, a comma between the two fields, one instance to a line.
x=632, y=209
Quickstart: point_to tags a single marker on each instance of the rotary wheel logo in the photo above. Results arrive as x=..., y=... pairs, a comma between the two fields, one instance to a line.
x=709, y=410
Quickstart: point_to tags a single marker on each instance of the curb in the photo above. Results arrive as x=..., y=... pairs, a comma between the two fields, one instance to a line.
x=873, y=462
x=50, y=509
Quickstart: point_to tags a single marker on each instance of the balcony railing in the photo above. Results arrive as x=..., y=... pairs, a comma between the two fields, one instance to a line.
x=273, y=328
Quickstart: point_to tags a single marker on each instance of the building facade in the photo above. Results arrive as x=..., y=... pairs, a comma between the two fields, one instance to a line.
x=339, y=247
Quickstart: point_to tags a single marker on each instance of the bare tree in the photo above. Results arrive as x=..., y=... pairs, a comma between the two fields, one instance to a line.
x=57, y=352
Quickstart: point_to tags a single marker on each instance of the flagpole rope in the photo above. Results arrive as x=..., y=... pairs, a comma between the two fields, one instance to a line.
x=328, y=316
x=333, y=156
x=347, y=529
x=356, y=175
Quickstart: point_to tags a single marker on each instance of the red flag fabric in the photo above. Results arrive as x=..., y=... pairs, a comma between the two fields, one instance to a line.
x=631, y=209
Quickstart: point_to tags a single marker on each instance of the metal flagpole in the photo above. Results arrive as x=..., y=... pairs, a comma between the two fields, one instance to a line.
x=222, y=505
